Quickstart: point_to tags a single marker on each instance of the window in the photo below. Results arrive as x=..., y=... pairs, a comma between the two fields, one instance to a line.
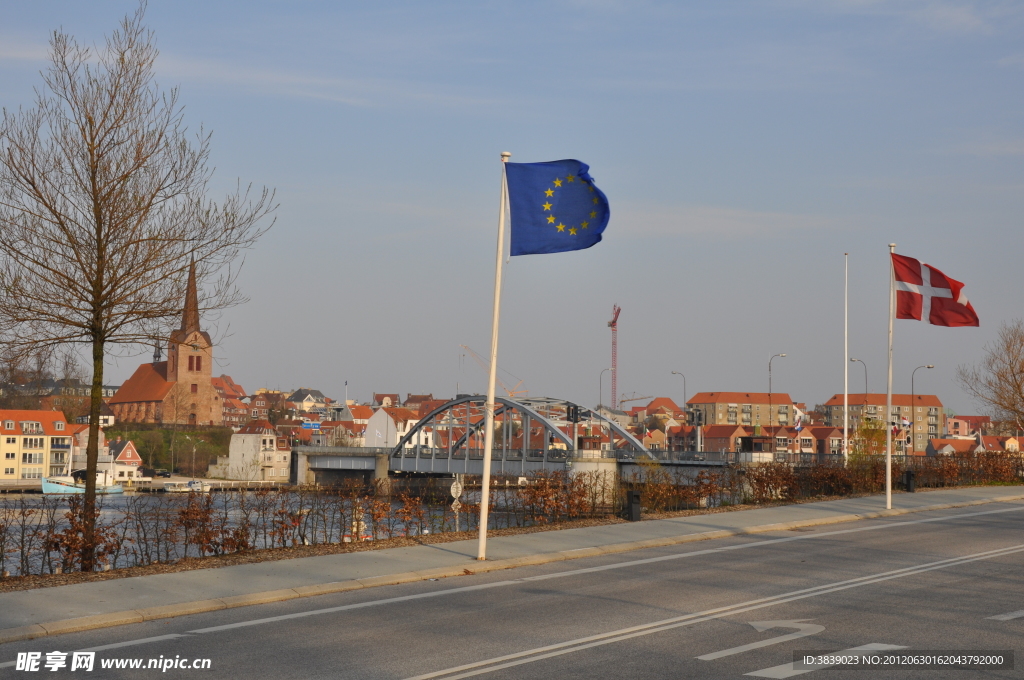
x=191, y=363
x=8, y=471
x=199, y=363
x=805, y=442
x=10, y=455
x=272, y=473
x=32, y=443
x=32, y=459
x=8, y=424
x=195, y=389
x=12, y=440
x=31, y=427
x=32, y=473
x=59, y=426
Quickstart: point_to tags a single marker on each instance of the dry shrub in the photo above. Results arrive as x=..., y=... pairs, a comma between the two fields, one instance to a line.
x=770, y=482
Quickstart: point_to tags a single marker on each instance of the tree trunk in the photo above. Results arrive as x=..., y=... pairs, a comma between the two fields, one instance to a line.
x=92, y=454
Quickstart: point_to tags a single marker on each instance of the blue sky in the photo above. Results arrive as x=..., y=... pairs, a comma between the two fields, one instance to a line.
x=744, y=147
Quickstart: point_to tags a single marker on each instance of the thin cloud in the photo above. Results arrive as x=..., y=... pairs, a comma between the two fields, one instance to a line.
x=945, y=16
x=724, y=222
x=364, y=92
x=1012, y=61
x=11, y=50
x=993, y=149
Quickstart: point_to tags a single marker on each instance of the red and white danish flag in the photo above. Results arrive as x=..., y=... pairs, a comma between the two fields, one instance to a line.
x=926, y=294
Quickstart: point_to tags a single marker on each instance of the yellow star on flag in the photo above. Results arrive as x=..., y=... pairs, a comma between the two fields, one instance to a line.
x=593, y=214
x=547, y=206
x=549, y=193
x=585, y=224
x=551, y=219
x=571, y=178
x=595, y=200
x=558, y=182
x=561, y=227
x=572, y=231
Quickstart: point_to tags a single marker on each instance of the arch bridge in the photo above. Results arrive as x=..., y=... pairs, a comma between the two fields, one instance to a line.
x=529, y=434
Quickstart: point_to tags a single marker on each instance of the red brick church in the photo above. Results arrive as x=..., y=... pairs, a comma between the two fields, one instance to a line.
x=179, y=390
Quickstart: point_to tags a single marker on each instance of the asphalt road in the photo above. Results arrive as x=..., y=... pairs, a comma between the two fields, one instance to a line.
x=929, y=581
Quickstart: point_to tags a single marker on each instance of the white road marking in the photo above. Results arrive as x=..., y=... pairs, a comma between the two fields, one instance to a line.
x=803, y=630
x=788, y=670
x=1008, y=617
x=349, y=607
x=760, y=544
x=576, y=572
x=548, y=651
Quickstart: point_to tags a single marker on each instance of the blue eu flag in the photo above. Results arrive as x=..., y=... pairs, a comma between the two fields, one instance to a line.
x=555, y=207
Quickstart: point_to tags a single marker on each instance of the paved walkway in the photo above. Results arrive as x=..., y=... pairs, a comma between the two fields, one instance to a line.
x=49, y=611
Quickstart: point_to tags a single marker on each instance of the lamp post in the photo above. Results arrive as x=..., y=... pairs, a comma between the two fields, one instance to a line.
x=865, y=380
x=600, y=388
x=863, y=408
x=684, y=385
x=193, y=442
x=770, y=398
x=913, y=436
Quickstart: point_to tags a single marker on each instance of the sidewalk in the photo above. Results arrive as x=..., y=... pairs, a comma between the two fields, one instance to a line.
x=50, y=611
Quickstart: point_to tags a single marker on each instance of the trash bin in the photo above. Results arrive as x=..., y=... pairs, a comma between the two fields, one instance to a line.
x=633, y=506
x=908, y=481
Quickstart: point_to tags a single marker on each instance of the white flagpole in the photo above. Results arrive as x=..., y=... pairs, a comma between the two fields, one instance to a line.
x=888, y=394
x=846, y=360
x=485, y=483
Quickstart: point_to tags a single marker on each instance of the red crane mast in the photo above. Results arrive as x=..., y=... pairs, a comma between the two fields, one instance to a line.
x=614, y=325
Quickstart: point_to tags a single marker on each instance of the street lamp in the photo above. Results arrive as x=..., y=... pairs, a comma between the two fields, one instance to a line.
x=913, y=436
x=600, y=388
x=684, y=384
x=770, y=397
x=193, y=455
x=865, y=380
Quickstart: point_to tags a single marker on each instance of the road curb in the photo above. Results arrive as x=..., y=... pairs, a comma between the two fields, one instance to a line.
x=121, y=618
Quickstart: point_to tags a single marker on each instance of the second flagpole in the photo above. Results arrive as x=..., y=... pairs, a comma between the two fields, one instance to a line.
x=888, y=394
x=485, y=482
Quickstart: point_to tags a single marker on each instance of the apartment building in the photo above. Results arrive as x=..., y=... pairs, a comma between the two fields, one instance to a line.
x=34, y=444
x=923, y=411
x=745, y=408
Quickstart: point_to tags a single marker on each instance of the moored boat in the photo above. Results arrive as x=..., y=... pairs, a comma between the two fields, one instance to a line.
x=75, y=483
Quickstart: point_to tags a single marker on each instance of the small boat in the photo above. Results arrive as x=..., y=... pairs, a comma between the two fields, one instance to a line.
x=176, y=487
x=75, y=483
x=199, y=486
x=192, y=486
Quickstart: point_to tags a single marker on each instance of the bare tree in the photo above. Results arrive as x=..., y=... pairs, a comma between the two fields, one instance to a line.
x=102, y=208
x=998, y=382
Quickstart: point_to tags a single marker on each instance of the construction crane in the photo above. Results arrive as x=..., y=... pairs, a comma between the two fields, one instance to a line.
x=485, y=365
x=623, y=401
x=614, y=325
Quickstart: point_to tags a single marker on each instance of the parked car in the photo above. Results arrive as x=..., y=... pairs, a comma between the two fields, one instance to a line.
x=161, y=472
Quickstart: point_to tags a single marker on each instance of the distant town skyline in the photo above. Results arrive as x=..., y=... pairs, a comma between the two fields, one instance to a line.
x=744, y=147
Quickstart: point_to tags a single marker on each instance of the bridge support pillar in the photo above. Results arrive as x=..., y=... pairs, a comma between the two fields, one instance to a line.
x=380, y=472
x=602, y=474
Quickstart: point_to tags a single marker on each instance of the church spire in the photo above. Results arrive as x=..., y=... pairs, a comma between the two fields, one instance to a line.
x=190, y=315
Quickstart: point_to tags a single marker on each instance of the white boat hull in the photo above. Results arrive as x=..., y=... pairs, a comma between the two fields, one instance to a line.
x=67, y=485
